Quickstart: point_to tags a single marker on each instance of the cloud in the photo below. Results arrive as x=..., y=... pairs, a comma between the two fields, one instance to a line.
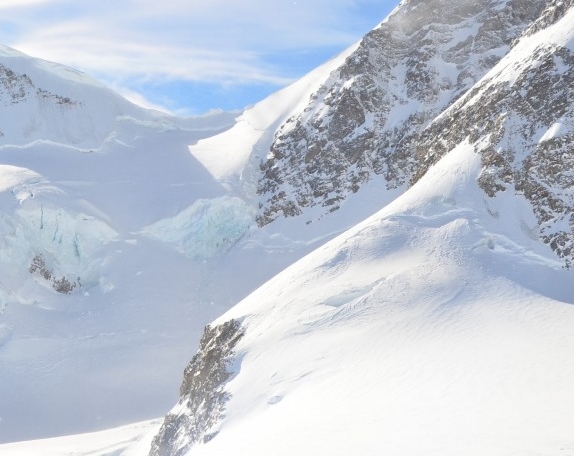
x=211, y=41
x=7, y=4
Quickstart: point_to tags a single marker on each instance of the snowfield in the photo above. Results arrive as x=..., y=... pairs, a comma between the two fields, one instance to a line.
x=116, y=250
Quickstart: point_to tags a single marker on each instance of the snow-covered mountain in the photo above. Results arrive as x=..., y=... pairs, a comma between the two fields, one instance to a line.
x=437, y=326
x=365, y=121
x=442, y=324
x=44, y=101
x=429, y=164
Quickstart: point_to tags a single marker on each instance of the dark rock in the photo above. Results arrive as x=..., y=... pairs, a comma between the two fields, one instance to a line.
x=203, y=396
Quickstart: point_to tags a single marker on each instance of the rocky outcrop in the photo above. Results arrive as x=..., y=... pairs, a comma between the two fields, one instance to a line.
x=201, y=407
x=365, y=122
x=18, y=87
x=555, y=10
x=416, y=87
x=61, y=285
x=14, y=87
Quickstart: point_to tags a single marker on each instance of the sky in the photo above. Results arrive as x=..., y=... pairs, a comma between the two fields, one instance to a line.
x=189, y=56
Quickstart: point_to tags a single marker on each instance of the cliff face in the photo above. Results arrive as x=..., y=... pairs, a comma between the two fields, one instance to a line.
x=365, y=122
x=201, y=407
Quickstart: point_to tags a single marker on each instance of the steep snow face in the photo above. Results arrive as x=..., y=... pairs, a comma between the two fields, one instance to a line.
x=438, y=326
x=365, y=120
x=520, y=117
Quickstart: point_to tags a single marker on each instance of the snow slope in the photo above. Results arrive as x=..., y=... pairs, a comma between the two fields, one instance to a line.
x=440, y=325
x=437, y=326
x=129, y=440
x=233, y=157
x=86, y=359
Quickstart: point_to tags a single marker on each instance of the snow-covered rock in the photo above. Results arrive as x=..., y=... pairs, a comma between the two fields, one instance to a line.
x=365, y=121
x=202, y=395
x=520, y=117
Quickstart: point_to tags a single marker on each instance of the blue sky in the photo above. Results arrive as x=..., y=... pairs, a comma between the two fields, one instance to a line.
x=189, y=56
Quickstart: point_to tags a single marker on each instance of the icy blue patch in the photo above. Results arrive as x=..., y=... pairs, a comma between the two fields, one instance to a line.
x=205, y=228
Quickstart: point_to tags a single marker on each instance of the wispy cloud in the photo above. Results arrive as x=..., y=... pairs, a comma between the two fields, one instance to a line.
x=201, y=41
x=11, y=4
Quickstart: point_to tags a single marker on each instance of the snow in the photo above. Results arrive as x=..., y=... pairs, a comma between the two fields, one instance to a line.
x=440, y=325
x=419, y=331
x=555, y=130
x=228, y=156
x=133, y=218
x=129, y=440
x=76, y=206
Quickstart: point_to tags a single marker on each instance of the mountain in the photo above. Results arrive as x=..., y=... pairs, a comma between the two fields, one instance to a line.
x=379, y=118
x=394, y=229
x=365, y=121
x=441, y=324
x=44, y=101
x=433, y=327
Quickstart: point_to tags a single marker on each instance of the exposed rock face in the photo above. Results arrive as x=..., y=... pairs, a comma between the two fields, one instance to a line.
x=201, y=407
x=14, y=87
x=61, y=285
x=412, y=91
x=366, y=120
